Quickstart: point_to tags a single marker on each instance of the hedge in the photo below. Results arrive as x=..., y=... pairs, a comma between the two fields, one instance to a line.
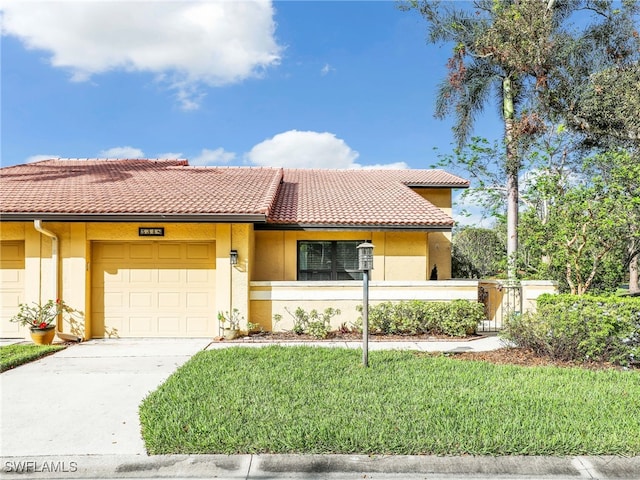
x=580, y=328
x=458, y=318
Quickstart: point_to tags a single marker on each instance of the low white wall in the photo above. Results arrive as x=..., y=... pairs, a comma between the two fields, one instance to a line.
x=272, y=298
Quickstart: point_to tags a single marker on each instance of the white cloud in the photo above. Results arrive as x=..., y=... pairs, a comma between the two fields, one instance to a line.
x=169, y=155
x=213, y=157
x=326, y=69
x=474, y=219
x=121, y=152
x=386, y=166
x=296, y=149
x=186, y=44
x=468, y=211
x=40, y=157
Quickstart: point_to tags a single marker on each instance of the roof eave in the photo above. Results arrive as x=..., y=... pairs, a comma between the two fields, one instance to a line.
x=351, y=227
x=435, y=185
x=135, y=217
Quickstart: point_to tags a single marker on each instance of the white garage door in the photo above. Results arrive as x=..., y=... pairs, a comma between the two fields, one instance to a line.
x=153, y=289
x=11, y=287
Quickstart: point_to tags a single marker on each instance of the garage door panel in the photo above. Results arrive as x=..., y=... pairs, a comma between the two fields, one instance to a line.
x=110, y=275
x=113, y=325
x=198, y=325
x=144, y=275
x=10, y=302
x=141, y=299
x=141, y=326
x=157, y=296
x=141, y=251
x=112, y=251
x=170, y=300
x=170, y=325
x=11, y=287
x=171, y=276
x=198, y=251
x=195, y=277
x=11, y=276
x=170, y=251
x=198, y=300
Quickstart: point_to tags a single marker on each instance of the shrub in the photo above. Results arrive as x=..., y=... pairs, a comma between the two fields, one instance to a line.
x=580, y=328
x=457, y=319
x=313, y=323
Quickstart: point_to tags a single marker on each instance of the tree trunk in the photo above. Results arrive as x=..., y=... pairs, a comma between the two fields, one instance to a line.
x=634, y=259
x=512, y=169
x=633, y=274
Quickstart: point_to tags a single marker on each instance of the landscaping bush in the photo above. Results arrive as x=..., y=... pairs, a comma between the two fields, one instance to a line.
x=312, y=323
x=457, y=319
x=580, y=328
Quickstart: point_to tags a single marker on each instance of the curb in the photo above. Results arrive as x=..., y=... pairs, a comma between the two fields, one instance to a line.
x=320, y=466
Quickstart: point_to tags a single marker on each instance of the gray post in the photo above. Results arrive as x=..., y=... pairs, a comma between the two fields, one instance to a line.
x=365, y=264
x=365, y=318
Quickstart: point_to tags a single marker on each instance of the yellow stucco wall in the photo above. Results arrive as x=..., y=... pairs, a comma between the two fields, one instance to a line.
x=263, y=256
x=439, y=242
x=397, y=255
x=75, y=253
x=282, y=298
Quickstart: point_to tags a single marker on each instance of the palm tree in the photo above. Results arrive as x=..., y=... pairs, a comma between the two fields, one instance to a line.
x=502, y=47
x=539, y=66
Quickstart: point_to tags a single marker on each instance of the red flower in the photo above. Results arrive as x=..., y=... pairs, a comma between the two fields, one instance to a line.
x=57, y=300
x=43, y=325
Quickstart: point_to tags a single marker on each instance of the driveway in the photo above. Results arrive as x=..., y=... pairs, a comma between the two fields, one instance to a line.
x=84, y=400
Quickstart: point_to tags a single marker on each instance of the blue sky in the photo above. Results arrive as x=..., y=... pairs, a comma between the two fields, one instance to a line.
x=327, y=84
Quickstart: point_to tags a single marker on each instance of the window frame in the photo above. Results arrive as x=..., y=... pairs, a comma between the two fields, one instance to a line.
x=333, y=271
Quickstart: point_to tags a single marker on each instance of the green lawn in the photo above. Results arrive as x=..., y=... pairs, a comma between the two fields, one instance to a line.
x=315, y=400
x=13, y=355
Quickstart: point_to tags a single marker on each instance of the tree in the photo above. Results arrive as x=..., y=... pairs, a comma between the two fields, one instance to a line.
x=490, y=52
x=477, y=253
x=596, y=90
x=519, y=49
x=621, y=168
x=609, y=106
x=587, y=223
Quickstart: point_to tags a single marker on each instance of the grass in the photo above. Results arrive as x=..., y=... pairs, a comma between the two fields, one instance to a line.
x=12, y=356
x=319, y=400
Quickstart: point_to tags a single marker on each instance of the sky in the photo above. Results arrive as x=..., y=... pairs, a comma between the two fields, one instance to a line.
x=299, y=84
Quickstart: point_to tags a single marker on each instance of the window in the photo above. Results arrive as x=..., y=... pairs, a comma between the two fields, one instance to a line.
x=328, y=260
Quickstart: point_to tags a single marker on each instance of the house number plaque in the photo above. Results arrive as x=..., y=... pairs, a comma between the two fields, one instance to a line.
x=151, y=231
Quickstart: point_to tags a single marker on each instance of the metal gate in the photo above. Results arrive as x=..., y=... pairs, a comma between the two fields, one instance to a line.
x=501, y=298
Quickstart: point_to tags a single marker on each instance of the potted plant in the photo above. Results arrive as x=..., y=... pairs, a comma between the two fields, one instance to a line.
x=230, y=323
x=41, y=319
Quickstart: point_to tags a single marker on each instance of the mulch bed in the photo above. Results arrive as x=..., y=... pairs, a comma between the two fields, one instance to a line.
x=344, y=337
x=503, y=356
x=527, y=358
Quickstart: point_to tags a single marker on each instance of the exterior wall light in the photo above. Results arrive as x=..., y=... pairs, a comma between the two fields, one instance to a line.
x=233, y=257
x=365, y=262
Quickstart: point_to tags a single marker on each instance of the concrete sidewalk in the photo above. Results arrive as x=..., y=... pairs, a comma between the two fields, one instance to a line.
x=478, y=344
x=91, y=392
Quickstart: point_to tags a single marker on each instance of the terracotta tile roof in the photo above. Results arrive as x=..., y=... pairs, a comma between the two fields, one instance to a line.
x=360, y=197
x=121, y=188
x=169, y=187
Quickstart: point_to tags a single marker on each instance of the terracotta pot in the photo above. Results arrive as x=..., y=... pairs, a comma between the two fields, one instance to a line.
x=43, y=336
